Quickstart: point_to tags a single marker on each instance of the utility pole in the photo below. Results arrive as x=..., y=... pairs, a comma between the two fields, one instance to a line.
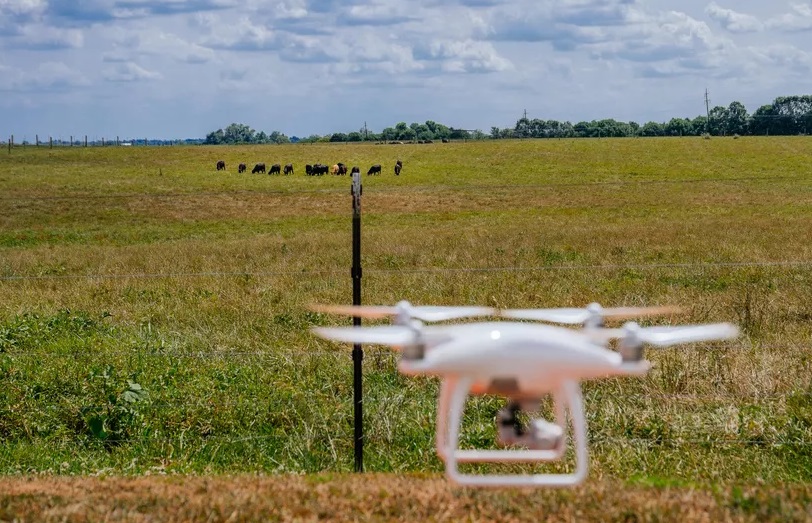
x=525, y=114
x=707, y=109
x=366, y=133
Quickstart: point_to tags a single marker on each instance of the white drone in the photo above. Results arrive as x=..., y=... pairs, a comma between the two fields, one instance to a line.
x=524, y=362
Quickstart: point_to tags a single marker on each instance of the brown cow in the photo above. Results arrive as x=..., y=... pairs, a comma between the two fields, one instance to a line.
x=221, y=165
x=398, y=167
x=335, y=169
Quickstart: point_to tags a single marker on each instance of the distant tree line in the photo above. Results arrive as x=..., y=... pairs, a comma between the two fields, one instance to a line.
x=787, y=115
x=237, y=133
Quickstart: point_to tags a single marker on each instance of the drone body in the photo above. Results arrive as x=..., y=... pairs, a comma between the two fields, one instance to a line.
x=524, y=362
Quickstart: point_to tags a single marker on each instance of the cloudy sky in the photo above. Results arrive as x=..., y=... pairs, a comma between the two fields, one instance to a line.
x=181, y=68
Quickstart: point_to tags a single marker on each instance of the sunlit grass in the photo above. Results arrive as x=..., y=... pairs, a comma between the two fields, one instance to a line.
x=146, y=266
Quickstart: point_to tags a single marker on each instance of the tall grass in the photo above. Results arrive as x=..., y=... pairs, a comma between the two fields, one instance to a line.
x=154, y=312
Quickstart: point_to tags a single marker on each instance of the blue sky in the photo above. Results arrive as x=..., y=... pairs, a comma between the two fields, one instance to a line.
x=181, y=68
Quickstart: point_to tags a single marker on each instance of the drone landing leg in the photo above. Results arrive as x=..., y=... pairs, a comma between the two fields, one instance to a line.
x=443, y=403
x=574, y=403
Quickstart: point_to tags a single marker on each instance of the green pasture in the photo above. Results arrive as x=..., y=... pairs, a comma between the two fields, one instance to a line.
x=153, y=311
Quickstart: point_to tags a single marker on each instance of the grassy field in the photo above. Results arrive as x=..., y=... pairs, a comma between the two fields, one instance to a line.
x=154, y=318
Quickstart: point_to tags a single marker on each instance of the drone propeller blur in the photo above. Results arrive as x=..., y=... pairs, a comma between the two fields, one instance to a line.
x=524, y=362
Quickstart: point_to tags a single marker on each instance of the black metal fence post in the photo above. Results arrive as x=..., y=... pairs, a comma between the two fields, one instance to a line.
x=357, y=351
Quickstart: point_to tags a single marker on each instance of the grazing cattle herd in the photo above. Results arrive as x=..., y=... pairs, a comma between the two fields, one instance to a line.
x=317, y=169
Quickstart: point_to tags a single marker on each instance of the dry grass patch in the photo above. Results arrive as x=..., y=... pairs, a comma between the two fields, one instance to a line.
x=379, y=497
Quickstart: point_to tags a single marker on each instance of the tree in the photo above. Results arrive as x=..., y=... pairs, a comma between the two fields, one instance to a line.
x=736, y=119
x=355, y=136
x=277, y=137
x=389, y=134
x=699, y=126
x=215, y=138
x=238, y=133
x=678, y=127
x=338, y=137
x=652, y=129
x=718, y=120
x=522, y=128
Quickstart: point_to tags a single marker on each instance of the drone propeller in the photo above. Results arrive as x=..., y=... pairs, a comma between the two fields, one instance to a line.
x=664, y=336
x=412, y=340
x=379, y=335
x=593, y=313
x=405, y=311
x=632, y=336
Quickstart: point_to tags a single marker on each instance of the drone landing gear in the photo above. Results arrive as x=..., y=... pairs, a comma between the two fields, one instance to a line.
x=545, y=440
x=538, y=435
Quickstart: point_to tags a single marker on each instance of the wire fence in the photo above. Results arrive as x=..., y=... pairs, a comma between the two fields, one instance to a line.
x=190, y=441
x=414, y=270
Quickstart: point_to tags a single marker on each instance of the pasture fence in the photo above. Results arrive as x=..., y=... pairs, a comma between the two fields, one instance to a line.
x=87, y=141
x=429, y=270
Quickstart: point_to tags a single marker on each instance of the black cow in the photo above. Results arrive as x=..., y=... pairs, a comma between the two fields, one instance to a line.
x=398, y=167
x=308, y=169
x=445, y=140
x=320, y=169
x=288, y=168
x=275, y=169
x=258, y=168
x=375, y=169
x=221, y=165
x=356, y=170
x=342, y=169
x=241, y=168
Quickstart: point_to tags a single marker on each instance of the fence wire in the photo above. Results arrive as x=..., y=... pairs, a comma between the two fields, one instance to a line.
x=413, y=270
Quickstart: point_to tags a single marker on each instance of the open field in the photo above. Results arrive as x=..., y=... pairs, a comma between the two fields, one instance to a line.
x=153, y=315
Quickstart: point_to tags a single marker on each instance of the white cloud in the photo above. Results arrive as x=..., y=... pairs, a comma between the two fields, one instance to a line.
x=47, y=76
x=290, y=10
x=129, y=72
x=18, y=7
x=466, y=56
x=324, y=61
x=733, y=21
x=244, y=36
x=381, y=12
x=793, y=60
x=164, y=44
x=799, y=19
x=44, y=38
